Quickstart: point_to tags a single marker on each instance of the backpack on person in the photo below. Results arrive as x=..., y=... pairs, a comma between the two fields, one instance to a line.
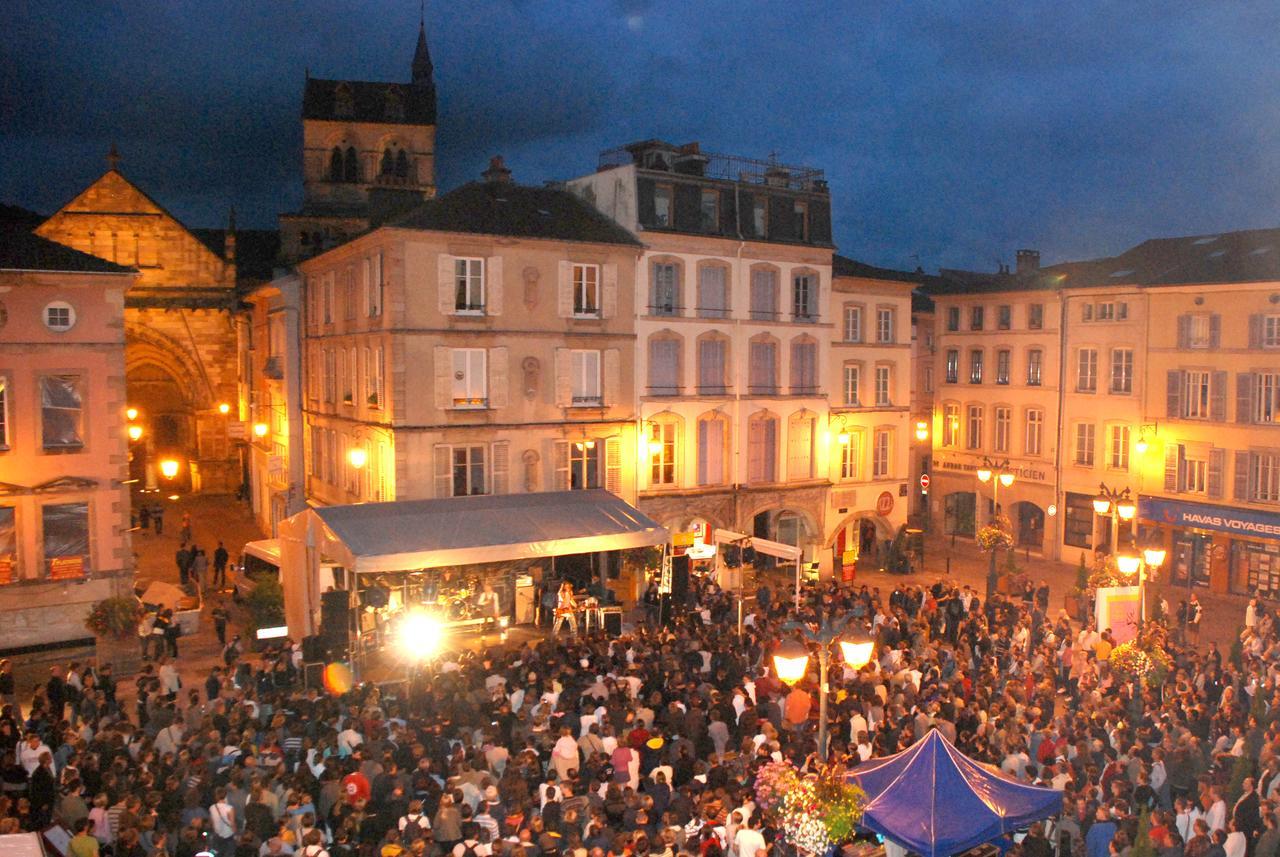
x=415, y=828
x=469, y=849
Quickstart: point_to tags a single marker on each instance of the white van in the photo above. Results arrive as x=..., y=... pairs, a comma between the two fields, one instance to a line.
x=260, y=559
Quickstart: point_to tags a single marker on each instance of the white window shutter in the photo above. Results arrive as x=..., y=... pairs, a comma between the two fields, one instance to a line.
x=447, y=285
x=444, y=471
x=499, y=455
x=611, y=377
x=613, y=466
x=564, y=378
x=564, y=291
x=499, y=375
x=560, y=461
x=609, y=290
x=444, y=376
x=493, y=285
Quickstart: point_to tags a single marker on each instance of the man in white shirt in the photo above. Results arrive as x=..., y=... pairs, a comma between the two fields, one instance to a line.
x=349, y=738
x=748, y=842
x=29, y=753
x=222, y=822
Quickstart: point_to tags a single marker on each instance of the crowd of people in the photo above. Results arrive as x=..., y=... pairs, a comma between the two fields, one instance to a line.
x=646, y=744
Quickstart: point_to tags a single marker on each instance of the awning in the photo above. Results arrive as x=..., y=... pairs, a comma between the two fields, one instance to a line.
x=418, y=534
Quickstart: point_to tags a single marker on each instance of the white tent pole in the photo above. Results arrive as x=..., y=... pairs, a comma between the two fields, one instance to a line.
x=797, y=584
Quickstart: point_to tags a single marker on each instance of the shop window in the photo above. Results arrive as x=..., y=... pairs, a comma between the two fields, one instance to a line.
x=66, y=540
x=663, y=450
x=61, y=413
x=1077, y=528
x=960, y=511
x=8, y=545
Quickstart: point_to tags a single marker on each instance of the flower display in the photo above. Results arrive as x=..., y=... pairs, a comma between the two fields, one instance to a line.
x=998, y=534
x=813, y=812
x=115, y=617
x=1146, y=657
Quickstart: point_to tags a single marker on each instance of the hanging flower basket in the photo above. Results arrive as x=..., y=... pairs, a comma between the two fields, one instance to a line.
x=996, y=535
x=115, y=618
x=1146, y=657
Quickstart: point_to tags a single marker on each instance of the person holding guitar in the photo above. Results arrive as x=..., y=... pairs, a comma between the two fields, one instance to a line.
x=566, y=609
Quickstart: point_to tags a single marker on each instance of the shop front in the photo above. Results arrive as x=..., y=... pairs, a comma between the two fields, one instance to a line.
x=1225, y=549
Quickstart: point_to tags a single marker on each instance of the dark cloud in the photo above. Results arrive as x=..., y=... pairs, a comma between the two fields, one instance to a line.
x=951, y=133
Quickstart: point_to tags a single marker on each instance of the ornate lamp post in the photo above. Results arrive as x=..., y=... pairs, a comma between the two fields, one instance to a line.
x=997, y=473
x=1130, y=564
x=1119, y=505
x=791, y=660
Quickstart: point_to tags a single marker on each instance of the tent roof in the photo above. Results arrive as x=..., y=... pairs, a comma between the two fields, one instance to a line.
x=936, y=801
x=417, y=534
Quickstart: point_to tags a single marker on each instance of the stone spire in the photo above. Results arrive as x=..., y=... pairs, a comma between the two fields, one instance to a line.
x=422, y=68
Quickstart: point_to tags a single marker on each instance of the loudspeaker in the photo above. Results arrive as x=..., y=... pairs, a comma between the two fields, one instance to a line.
x=526, y=604
x=314, y=650
x=335, y=618
x=748, y=555
x=680, y=577
x=613, y=623
x=732, y=555
x=376, y=596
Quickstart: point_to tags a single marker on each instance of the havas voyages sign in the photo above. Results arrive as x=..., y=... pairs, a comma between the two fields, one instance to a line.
x=1241, y=522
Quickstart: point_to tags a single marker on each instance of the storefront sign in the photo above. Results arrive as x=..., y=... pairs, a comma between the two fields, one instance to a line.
x=683, y=540
x=884, y=504
x=1021, y=471
x=66, y=567
x=1241, y=522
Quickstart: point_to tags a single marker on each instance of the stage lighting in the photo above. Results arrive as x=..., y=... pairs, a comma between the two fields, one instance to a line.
x=421, y=634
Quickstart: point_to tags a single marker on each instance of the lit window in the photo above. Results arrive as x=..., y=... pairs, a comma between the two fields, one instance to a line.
x=586, y=290
x=662, y=205
x=1087, y=370
x=663, y=439
x=469, y=379
x=1035, y=431
x=586, y=378
x=973, y=437
x=880, y=453
x=851, y=457
x=1195, y=394
x=950, y=425
x=852, y=381
x=1084, y=444
x=1118, y=449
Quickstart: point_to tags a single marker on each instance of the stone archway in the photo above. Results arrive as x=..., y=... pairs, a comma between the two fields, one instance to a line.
x=1028, y=524
x=164, y=384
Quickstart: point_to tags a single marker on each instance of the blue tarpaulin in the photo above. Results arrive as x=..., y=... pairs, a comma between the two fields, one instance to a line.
x=936, y=801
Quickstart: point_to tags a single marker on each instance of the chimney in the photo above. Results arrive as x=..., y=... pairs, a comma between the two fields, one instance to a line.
x=1028, y=261
x=497, y=171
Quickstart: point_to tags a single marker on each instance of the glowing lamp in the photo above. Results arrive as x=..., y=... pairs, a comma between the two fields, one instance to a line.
x=1101, y=505
x=655, y=446
x=357, y=456
x=135, y=432
x=791, y=662
x=857, y=652
x=1126, y=509
x=843, y=437
x=922, y=430
x=169, y=468
x=260, y=429
x=1154, y=556
x=984, y=474
x=1006, y=479
x=224, y=408
x=1140, y=446
x=589, y=444
x=131, y=413
x=421, y=634
x=1128, y=563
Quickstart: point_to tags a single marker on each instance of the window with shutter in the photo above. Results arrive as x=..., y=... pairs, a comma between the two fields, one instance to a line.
x=763, y=369
x=762, y=449
x=665, y=296
x=468, y=280
x=800, y=447
x=712, y=373
x=1217, y=474
x=1218, y=397
x=585, y=373
x=1240, y=483
x=613, y=466
x=1173, y=393
x=499, y=451
x=713, y=300
x=711, y=451
x=764, y=294
x=469, y=378
x=664, y=367
x=1266, y=394
x=560, y=461
x=444, y=471
x=804, y=368
x=586, y=291
x=1172, y=456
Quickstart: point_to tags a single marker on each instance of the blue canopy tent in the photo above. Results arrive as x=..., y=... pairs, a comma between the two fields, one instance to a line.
x=936, y=801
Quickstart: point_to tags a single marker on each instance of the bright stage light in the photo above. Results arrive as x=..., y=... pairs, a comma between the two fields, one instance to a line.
x=421, y=634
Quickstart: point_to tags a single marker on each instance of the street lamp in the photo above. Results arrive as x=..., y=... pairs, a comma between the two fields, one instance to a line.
x=169, y=468
x=791, y=660
x=1003, y=475
x=922, y=430
x=131, y=413
x=135, y=432
x=1130, y=564
x=224, y=408
x=1119, y=505
x=260, y=429
x=357, y=456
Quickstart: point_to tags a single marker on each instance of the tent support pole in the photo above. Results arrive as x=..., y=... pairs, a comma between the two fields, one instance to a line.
x=797, y=584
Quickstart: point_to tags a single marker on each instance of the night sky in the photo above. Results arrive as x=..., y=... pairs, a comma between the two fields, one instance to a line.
x=952, y=133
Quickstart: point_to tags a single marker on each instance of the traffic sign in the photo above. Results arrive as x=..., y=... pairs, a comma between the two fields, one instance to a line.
x=924, y=482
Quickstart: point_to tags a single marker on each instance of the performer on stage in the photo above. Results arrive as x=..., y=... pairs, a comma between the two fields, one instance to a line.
x=487, y=603
x=566, y=610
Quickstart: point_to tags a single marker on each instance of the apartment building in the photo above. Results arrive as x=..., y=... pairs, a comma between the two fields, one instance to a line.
x=997, y=399
x=482, y=343
x=870, y=442
x=1167, y=360
x=64, y=453
x=733, y=323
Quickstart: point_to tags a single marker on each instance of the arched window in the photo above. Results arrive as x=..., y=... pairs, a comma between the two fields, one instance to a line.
x=402, y=165
x=800, y=435
x=762, y=448
x=351, y=167
x=762, y=366
x=713, y=365
x=664, y=449
x=713, y=446
x=335, y=165
x=664, y=365
x=387, y=164
x=804, y=366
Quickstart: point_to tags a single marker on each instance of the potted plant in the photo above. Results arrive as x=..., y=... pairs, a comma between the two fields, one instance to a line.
x=1075, y=600
x=114, y=625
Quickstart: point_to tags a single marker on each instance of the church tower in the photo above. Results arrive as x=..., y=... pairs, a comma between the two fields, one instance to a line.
x=366, y=147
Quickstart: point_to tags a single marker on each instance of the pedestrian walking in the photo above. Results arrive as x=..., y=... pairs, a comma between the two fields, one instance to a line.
x=157, y=515
x=185, y=532
x=144, y=517
x=1194, y=613
x=199, y=567
x=171, y=633
x=145, y=626
x=220, y=617
x=220, y=557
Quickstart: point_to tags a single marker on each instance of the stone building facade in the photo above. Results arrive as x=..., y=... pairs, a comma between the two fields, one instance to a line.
x=180, y=351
